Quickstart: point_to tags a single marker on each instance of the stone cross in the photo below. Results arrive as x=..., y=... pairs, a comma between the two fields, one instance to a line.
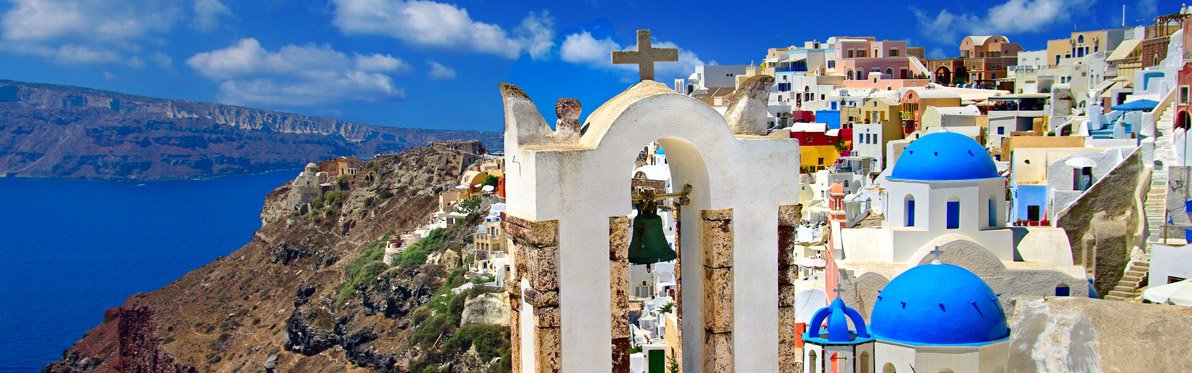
x=937, y=253
x=645, y=56
x=839, y=288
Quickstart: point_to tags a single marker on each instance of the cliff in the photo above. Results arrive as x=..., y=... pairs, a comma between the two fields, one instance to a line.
x=308, y=294
x=72, y=132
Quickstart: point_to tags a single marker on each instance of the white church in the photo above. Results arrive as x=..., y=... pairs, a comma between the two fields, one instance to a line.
x=944, y=192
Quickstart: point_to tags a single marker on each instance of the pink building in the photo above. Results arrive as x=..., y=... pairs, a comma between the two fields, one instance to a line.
x=867, y=63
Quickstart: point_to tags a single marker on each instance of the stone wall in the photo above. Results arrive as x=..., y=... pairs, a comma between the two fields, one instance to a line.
x=788, y=354
x=618, y=257
x=536, y=247
x=1106, y=222
x=716, y=230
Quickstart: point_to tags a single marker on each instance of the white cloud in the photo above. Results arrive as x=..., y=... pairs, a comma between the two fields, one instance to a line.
x=583, y=48
x=380, y=62
x=937, y=53
x=440, y=72
x=208, y=12
x=161, y=59
x=434, y=24
x=110, y=77
x=1011, y=17
x=298, y=75
x=98, y=31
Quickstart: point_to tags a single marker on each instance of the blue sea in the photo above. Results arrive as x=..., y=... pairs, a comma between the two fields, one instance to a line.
x=70, y=249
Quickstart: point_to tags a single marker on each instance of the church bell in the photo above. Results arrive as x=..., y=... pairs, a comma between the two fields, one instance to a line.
x=649, y=244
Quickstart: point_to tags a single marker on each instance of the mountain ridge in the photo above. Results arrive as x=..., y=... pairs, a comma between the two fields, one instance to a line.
x=59, y=131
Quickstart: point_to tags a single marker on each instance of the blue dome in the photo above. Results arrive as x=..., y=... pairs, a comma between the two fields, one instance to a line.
x=837, y=316
x=944, y=156
x=938, y=304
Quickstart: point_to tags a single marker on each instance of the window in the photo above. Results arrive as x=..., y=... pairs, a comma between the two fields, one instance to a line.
x=953, y=214
x=1185, y=94
x=1001, y=130
x=1062, y=291
x=850, y=53
x=811, y=362
x=1032, y=213
x=1082, y=178
x=910, y=211
x=889, y=368
x=866, y=361
x=894, y=52
x=821, y=161
x=992, y=213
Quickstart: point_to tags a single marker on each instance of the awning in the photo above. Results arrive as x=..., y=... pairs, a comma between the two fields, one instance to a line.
x=1116, y=85
x=1123, y=50
x=1137, y=105
x=1177, y=293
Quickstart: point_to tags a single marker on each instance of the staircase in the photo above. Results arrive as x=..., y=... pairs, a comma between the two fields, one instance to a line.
x=1127, y=287
x=1156, y=197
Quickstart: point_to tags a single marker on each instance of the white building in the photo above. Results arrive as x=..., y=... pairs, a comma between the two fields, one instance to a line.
x=944, y=191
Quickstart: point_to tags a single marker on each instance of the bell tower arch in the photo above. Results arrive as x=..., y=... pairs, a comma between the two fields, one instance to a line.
x=566, y=212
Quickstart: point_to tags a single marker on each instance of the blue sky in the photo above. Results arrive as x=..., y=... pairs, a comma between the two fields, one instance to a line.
x=434, y=64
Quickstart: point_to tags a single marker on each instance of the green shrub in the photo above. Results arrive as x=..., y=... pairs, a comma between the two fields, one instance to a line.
x=469, y=205
x=316, y=204
x=490, y=340
x=343, y=180
x=336, y=198
x=362, y=270
x=416, y=253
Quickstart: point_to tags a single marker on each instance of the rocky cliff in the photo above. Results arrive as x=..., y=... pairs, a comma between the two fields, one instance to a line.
x=308, y=292
x=71, y=132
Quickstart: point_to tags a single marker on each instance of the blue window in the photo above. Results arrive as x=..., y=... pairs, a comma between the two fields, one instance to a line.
x=953, y=214
x=1062, y=291
x=910, y=212
x=992, y=213
x=1001, y=130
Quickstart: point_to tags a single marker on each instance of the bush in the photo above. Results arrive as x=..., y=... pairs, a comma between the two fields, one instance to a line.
x=335, y=199
x=343, y=180
x=416, y=253
x=469, y=205
x=316, y=204
x=362, y=270
x=490, y=340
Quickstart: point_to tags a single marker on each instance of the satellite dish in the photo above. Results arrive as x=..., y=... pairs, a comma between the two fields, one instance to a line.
x=807, y=302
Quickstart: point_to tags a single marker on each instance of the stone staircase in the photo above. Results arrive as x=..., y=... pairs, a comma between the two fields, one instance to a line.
x=1127, y=287
x=1156, y=197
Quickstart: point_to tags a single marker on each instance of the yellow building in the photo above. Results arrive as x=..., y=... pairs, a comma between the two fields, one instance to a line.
x=1083, y=43
x=817, y=157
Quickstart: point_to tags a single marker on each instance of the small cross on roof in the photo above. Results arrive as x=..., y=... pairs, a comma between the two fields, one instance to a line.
x=645, y=56
x=937, y=253
x=839, y=288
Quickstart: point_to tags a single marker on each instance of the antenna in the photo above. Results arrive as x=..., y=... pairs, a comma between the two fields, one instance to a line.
x=1123, y=15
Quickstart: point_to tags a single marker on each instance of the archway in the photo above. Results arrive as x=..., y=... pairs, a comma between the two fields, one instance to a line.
x=889, y=368
x=1183, y=120
x=559, y=209
x=943, y=75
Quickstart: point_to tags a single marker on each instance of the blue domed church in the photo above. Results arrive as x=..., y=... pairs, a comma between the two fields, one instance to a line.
x=931, y=318
x=945, y=198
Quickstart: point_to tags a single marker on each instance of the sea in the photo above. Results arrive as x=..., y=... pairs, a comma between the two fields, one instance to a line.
x=70, y=249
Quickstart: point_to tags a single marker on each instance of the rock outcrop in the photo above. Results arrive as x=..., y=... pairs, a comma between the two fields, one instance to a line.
x=1073, y=334
x=1106, y=222
x=487, y=308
